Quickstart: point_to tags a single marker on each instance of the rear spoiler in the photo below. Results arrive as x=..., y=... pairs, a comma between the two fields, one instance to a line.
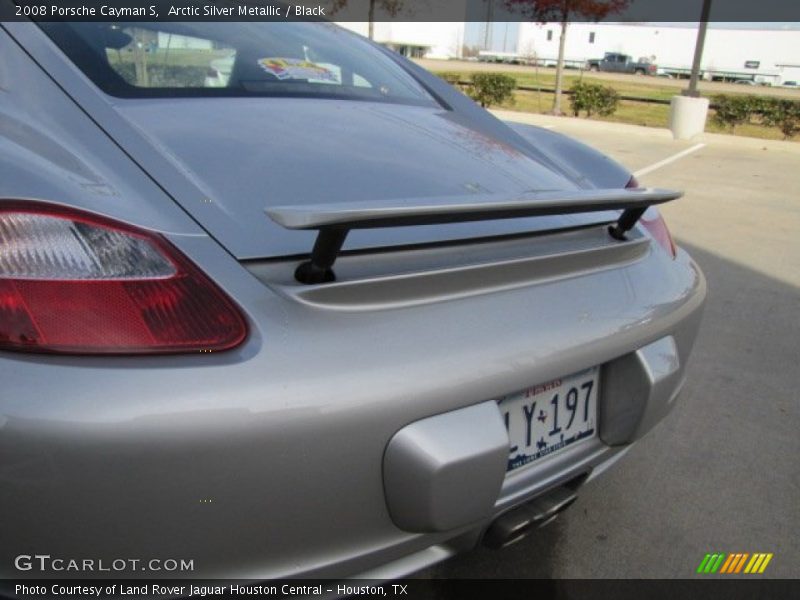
x=334, y=221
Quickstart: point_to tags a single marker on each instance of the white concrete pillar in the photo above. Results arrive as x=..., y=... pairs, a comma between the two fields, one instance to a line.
x=687, y=116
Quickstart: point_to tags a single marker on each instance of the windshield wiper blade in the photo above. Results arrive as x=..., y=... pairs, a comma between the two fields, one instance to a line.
x=335, y=220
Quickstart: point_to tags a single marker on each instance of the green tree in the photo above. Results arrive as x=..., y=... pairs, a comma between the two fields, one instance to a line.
x=560, y=11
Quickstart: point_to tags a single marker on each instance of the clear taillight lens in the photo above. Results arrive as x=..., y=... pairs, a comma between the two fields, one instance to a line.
x=76, y=283
x=655, y=224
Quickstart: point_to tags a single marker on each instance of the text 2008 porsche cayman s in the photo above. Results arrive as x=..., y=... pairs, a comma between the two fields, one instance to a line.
x=278, y=302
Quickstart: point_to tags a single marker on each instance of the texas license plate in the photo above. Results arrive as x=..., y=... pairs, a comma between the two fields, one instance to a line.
x=547, y=418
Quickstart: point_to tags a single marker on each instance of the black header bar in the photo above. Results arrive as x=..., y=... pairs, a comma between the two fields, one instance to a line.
x=711, y=588
x=678, y=11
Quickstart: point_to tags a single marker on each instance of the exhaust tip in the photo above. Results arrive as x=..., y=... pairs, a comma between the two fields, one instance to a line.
x=509, y=528
x=516, y=524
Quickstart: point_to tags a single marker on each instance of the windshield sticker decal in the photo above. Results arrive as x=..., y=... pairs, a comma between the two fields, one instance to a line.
x=297, y=68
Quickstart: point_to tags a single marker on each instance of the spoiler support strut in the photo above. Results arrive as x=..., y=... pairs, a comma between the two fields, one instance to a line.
x=626, y=221
x=318, y=269
x=334, y=221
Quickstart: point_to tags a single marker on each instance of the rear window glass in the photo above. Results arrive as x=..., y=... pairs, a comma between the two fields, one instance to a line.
x=239, y=59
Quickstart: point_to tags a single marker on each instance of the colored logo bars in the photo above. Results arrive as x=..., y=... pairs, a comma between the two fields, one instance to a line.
x=734, y=563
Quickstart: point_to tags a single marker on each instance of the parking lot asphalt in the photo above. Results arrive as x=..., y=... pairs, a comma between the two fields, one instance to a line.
x=722, y=473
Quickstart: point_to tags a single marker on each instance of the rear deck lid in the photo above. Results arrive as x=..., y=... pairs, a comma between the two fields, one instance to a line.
x=232, y=118
x=247, y=154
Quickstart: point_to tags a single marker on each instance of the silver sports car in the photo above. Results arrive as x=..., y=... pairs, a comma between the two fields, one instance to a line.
x=277, y=302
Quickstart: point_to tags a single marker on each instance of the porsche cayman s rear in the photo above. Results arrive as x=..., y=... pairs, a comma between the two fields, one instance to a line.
x=318, y=315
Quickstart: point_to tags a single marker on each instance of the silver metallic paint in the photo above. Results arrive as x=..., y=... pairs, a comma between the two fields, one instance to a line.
x=543, y=202
x=445, y=471
x=110, y=456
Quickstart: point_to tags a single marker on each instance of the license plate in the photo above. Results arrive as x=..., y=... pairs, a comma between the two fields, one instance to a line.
x=547, y=418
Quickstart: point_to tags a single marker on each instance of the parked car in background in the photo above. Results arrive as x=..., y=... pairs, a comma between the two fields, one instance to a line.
x=315, y=315
x=507, y=58
x=613, y=62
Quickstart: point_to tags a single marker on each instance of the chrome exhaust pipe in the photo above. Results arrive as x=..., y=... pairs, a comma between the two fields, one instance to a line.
x=516, y=524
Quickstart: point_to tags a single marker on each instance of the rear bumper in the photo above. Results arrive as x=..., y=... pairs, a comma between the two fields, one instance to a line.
x=448, y=471
x=597, y=462
x=657, y=366
x=268, y=461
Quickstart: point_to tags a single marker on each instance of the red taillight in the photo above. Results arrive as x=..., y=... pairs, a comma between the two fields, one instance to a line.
x=655, y=224
x=633, y=183
x=71, y=282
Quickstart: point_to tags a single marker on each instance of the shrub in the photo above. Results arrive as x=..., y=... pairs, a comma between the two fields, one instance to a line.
x=451, y=77
x=783, y=114
x=492, y=88
x=759, y=105
x=177, y=76
x=731, y=111
x=164, y=75
x=460, y=81
x=593, y=98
